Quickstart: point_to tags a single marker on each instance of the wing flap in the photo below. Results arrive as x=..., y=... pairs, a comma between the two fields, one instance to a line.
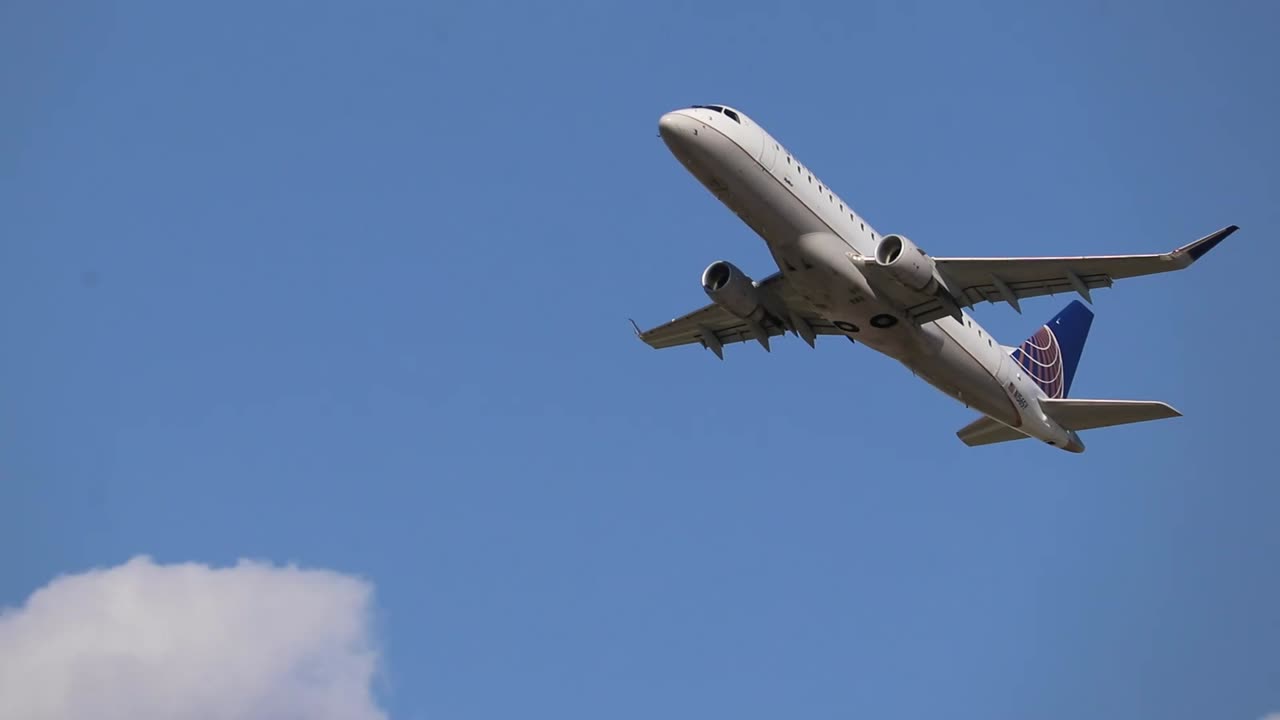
x=989, y=291
x=1074, y=414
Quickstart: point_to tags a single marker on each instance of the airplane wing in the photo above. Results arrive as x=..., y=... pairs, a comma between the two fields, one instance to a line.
x=714, y=327
x=972, y=280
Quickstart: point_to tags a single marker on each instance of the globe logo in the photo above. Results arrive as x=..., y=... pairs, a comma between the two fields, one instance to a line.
x=1040, y=356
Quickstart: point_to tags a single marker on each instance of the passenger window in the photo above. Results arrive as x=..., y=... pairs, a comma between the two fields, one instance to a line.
x=863, y=226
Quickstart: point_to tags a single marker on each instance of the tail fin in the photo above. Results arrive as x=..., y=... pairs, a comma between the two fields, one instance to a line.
x=1051, y=355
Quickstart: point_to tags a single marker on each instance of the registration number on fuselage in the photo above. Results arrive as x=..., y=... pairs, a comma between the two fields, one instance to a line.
x=1018, y=397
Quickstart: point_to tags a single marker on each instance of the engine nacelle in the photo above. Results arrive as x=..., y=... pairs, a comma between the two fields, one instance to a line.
x=907, y=263
x=731, y=289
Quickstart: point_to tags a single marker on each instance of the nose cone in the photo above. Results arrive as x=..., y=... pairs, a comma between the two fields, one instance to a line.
x=679, y=132
x=670, y=125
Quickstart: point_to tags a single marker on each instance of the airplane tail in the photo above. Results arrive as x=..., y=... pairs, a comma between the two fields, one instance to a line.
x=1051, y=355
x=1072, y=415
x=1050, y=358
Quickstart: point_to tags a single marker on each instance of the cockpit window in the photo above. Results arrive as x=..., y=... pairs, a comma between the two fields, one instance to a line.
x=721, y=109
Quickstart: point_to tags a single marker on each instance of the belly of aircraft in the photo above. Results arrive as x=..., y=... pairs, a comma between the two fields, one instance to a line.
x=956, y=372
x=812, y=257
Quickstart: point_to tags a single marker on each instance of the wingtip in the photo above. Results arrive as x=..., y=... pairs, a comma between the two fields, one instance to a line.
x=1199, y=248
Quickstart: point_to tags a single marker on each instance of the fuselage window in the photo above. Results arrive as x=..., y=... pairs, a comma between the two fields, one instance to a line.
x=863, y=226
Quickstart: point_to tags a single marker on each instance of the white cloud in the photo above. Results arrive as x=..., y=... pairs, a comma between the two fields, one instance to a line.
x=146, y=641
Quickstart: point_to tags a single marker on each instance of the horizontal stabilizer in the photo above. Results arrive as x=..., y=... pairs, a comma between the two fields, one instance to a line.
x=1088, y=414
x=985, y=431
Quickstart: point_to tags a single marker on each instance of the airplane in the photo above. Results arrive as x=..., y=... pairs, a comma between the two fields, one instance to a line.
x=838, y=276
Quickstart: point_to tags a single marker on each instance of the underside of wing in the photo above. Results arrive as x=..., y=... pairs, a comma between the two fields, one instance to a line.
x=973, y=280
x=713, y=326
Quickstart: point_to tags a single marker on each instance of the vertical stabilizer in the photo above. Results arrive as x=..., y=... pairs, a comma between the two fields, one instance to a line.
x=1051, y=355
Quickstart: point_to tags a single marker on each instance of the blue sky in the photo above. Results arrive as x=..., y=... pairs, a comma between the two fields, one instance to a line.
x=346, y=285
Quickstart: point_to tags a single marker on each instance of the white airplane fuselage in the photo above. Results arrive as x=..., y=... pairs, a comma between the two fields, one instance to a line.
x=810, y=231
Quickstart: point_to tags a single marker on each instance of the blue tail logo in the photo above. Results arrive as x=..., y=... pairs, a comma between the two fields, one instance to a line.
x=1051, y=355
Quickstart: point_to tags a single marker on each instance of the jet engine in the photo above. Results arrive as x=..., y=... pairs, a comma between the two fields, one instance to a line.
x=731, y=289
x=907, y=263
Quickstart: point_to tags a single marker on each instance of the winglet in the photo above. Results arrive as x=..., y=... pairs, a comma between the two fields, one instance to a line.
x=1198, y=248
x=634, y=325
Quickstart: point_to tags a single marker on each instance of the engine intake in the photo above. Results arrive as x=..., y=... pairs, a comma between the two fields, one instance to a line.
x=731, y=289
x=907, y=263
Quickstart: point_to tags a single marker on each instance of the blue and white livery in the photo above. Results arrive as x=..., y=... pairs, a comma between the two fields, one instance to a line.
x=838, y=276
